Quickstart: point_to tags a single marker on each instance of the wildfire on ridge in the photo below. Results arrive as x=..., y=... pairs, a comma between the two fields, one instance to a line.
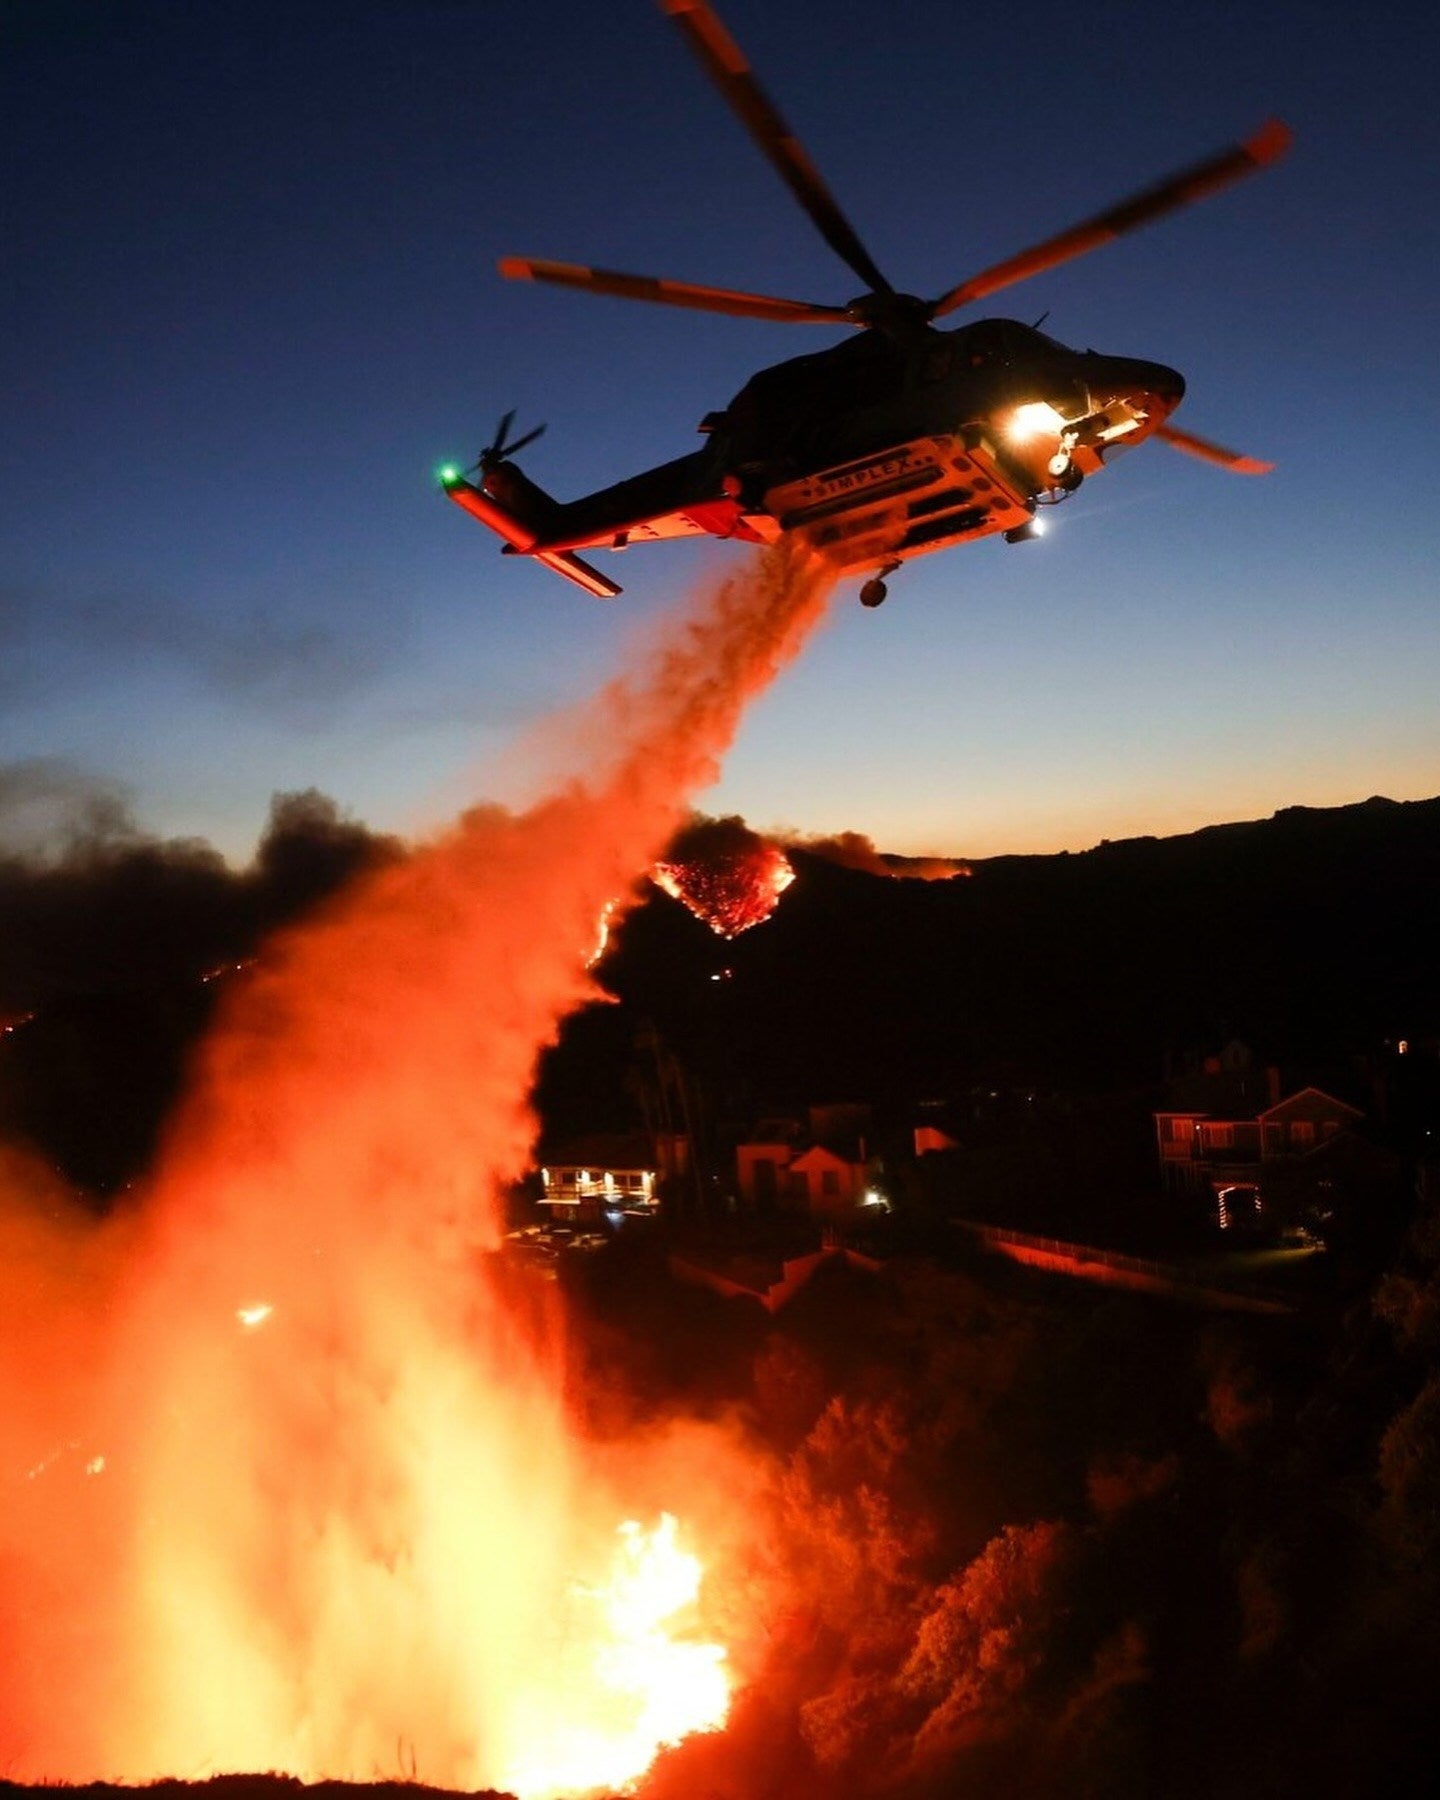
x=730, y=877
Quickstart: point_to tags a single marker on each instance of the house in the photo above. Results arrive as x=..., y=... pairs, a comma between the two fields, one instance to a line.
x=584, y=1179
x=832, y=1181
x=822, y=1167
x=1248, y=1167
x=762, y=1163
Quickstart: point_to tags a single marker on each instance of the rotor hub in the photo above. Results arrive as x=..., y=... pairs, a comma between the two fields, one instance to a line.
x=889, y=312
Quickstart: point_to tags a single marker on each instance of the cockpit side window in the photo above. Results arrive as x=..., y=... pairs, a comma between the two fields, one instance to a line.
x=990, y=344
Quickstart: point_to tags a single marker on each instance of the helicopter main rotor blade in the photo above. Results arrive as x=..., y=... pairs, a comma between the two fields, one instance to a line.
x=672, y=293
x=1190, y=184
x=1212, y=453
x=724, y=62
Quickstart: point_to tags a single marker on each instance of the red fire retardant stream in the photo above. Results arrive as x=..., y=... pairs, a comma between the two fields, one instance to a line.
x=286, y=1479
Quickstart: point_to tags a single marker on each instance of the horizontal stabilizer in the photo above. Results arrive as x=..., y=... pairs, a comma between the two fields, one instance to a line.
x=573, y=568
x=521, y=541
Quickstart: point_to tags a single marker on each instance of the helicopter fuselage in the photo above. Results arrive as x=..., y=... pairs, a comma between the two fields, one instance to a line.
x=900, y=440
x=879, y=448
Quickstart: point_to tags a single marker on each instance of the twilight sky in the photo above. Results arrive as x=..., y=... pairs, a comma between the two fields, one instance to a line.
x=248, y=303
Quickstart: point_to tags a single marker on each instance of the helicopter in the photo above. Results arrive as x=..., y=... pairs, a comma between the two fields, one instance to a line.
x=898, y=440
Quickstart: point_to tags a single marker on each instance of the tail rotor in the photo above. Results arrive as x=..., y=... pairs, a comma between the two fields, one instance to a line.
x=502, y=450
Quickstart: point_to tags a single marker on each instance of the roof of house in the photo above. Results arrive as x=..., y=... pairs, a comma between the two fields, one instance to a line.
x=599, y=1150
x=1309, y=1103
x=820, y=1155
x=1304, y=1103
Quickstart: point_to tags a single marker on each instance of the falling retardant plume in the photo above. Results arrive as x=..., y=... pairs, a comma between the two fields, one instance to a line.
x=289, y=1480
x=729, y=876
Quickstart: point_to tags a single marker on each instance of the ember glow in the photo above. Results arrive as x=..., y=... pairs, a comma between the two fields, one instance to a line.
x=360, y=1535
x=730, y=877
x=602, y=932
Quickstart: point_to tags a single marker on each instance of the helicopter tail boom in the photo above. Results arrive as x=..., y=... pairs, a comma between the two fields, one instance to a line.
x=521, y=540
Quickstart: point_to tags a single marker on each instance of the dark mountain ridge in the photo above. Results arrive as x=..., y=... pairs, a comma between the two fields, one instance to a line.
x=1309, y=935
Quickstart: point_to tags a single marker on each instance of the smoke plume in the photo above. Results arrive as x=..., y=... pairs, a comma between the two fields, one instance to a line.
x=293, y=1483
x=853, y=850
x=50, y=811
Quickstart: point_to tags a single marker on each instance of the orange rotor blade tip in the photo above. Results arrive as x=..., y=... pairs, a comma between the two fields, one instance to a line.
x=1271, y=141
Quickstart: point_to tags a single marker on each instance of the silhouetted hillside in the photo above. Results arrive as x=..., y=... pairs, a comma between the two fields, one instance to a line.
x=1309, y=935
x=107, y=956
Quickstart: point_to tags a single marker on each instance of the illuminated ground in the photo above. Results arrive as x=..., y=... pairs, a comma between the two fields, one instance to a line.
x=259, y=1787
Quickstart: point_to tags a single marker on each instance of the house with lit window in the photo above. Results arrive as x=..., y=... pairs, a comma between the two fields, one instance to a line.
x=1248, y=1166
x=586, y=1179
x=822, y=1166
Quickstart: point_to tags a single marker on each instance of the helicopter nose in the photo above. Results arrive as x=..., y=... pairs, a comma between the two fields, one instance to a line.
x=1167, y=386
x=1151, y=386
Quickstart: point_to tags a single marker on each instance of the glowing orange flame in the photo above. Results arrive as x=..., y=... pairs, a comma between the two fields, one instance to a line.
x=726, y=874
x=631, y=1685
x=602, y=932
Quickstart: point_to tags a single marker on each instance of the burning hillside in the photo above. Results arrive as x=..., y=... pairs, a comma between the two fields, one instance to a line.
x=730, y=877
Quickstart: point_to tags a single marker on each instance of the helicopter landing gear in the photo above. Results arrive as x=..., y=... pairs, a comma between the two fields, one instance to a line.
x=1064, y=474
x=1061, y=468
x=875, y=590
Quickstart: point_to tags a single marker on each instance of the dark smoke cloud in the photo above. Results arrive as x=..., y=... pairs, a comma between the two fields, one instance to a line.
x=52, y=810
x=309, y=849
x=705, y=839
x=853, y=850
x=300, y=673
x=107, y=937
x=293, y=658
x=90, y=902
